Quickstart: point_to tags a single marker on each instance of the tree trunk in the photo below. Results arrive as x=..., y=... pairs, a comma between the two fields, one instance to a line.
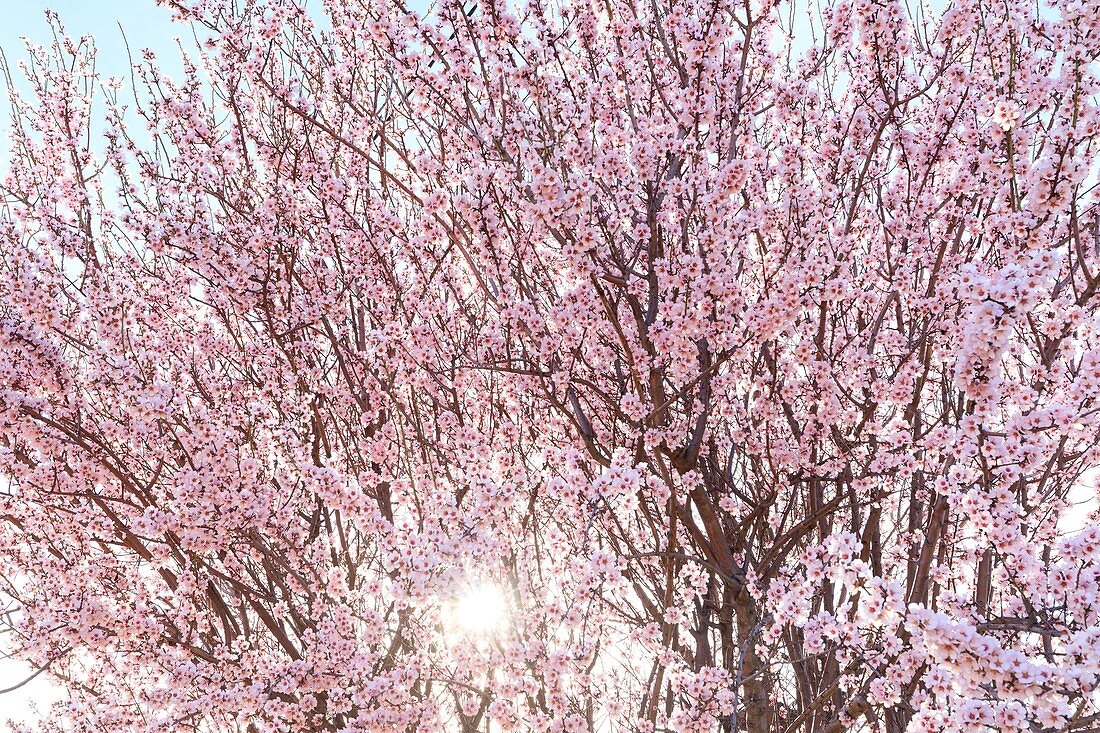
x=751, y=675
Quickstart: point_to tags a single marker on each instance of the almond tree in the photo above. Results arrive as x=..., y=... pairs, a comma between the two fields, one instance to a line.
x=751, y=349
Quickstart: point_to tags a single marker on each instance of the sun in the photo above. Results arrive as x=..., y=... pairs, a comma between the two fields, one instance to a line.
x=480, y=609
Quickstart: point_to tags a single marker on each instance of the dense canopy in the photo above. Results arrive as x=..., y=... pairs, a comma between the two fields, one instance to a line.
x=740, y=359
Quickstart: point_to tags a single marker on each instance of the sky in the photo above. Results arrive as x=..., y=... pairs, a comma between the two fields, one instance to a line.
x=145, y=24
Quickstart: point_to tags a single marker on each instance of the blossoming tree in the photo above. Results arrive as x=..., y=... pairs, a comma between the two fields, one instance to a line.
x=750, y=351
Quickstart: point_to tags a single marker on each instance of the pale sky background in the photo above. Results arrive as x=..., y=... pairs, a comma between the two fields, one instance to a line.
x=146, y=26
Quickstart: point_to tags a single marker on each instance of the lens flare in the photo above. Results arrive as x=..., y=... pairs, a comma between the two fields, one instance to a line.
x=480, y=610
